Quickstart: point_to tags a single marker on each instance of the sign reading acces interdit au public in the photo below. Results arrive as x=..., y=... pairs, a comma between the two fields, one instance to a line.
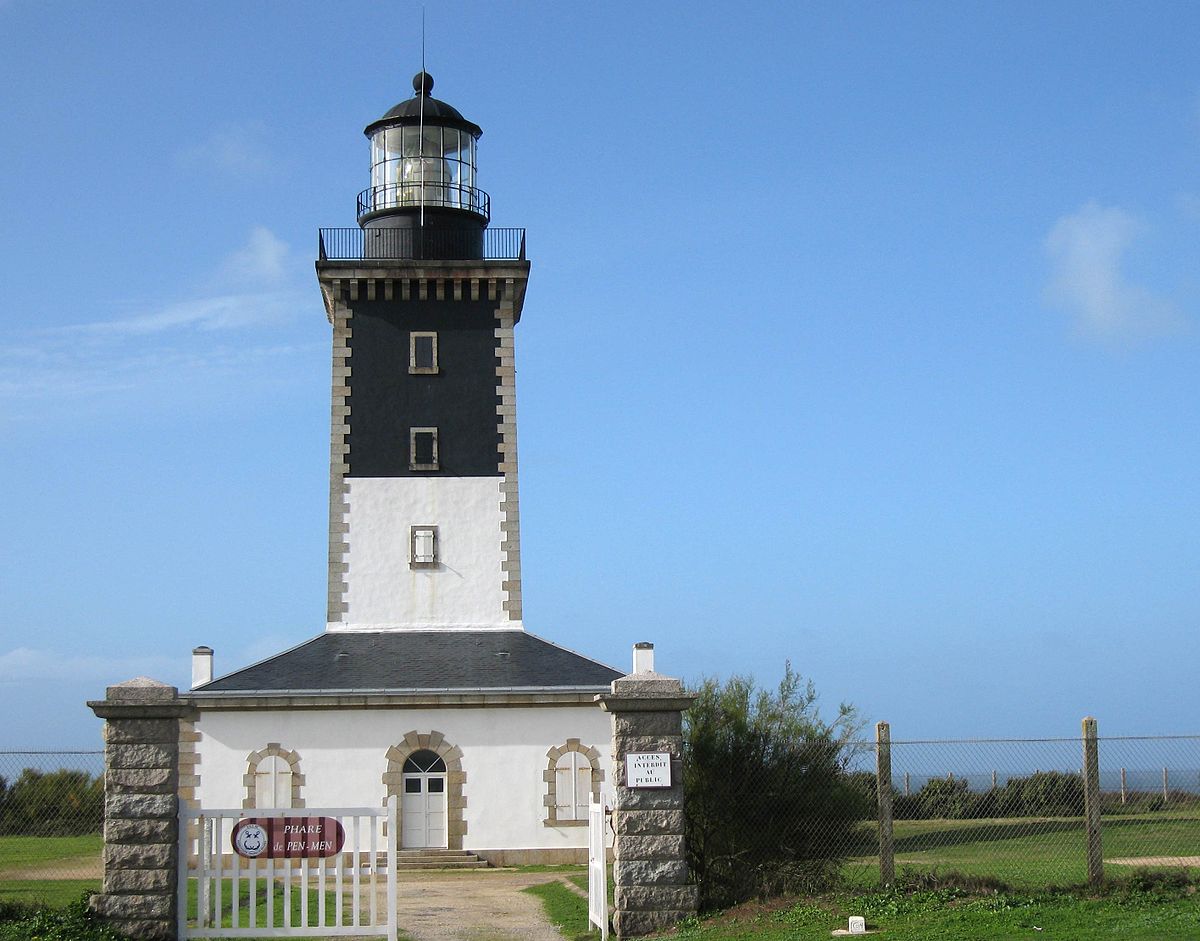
x=647, y=769
x=288, y=837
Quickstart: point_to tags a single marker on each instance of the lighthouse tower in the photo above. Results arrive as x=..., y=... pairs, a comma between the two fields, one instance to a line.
x=423, y=298
x=424, y=685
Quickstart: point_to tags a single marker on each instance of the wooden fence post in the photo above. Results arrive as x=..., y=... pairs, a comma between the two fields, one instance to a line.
x=1166, y=791
x=1123, y=791
x=883, y=785
x=1091, y=803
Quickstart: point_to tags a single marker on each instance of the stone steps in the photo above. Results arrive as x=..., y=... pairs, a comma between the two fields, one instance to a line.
x=407, y=860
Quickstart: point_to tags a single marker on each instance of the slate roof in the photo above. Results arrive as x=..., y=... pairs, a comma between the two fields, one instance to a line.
x=382, y=661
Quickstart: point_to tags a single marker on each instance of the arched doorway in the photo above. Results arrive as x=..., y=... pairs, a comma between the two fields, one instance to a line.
x=423, y=801
x=454, y=800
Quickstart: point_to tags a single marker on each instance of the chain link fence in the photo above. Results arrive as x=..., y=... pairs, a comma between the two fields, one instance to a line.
x=987, y=814
x=992, y=812
x=51, y=822
x=1019, y=811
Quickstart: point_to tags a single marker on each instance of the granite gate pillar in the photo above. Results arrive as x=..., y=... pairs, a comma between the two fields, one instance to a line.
x=650, y=869
x=141, y=823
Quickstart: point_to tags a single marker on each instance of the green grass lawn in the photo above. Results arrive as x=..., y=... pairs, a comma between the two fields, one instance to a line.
x=278, y=902
x=28, y=852
x=950, y=916
x=53, y=893
x=567, y=911
x=944, y=915
x=22, y=852
x=1032, y=853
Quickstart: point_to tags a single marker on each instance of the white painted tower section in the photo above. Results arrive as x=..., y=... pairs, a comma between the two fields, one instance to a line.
x=384, y=591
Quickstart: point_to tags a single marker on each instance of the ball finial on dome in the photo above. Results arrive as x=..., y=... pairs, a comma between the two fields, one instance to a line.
x=422, y=83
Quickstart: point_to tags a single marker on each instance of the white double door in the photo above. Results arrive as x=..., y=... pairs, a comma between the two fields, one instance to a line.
x=423, y=810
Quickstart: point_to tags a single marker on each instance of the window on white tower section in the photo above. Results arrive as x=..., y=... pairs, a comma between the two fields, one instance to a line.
x=273, y=783
x=572, y=786
x=423, y=547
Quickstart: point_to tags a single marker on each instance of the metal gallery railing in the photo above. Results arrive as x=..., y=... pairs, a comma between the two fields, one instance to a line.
x=421, y=242
x=434, y=194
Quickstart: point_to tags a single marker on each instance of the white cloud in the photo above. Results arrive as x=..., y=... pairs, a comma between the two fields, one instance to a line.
x=1087, y=250
x=175, y=345
x=32, y=665
x=263, y=259
x=239, y=151
x=73, y=372
x=223, y=312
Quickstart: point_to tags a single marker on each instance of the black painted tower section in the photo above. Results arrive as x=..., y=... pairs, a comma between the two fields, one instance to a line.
x=459, y=400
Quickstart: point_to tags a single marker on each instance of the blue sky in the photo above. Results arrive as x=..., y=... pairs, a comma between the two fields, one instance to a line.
x=860, y=335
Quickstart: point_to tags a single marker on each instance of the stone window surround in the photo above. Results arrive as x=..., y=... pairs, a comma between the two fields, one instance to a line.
x=413, y=368
x=412, y=449
x=550, y=801
x=272, y=749
x=456, y=801
x=413, y=561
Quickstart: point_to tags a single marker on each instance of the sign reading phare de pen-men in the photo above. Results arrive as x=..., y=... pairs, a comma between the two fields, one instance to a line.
x=647, y=769
x=288, y=837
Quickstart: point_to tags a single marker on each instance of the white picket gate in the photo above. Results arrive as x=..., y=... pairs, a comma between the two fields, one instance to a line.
x=597, y=869
x=237, y=898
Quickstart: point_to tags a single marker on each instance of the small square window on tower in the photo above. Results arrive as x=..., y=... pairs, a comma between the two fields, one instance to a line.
x=423, y=547
x=422, y=353
x=422, y=449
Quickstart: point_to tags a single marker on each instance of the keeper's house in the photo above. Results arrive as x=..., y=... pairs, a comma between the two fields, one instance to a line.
x=425, y=683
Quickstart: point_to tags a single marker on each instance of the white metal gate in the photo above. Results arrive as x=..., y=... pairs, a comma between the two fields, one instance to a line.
x=223, y=895
x=597, y=869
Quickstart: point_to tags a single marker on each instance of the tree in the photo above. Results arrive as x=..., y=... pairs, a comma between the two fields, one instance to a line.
x=54, y=803
x=770, y=805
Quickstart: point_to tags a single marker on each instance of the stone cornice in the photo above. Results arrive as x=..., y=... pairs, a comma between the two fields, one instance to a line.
x=616, y=703
x=380, y=270
x=107, y=709
x=385, y=699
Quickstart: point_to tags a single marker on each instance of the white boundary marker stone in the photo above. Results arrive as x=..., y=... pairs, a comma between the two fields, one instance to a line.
x=857, y=925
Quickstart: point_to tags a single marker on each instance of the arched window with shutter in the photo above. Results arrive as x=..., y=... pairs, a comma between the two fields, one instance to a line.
x=273, y=780
x=573, y=778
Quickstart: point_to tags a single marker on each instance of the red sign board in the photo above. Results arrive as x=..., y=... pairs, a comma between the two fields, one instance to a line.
x=288, y=837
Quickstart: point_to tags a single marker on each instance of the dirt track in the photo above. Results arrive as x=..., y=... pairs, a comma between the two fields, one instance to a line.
x=81, y=867
x=1156, y=861
x=470, y=906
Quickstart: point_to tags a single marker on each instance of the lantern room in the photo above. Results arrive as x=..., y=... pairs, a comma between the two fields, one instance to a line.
x=423, y=167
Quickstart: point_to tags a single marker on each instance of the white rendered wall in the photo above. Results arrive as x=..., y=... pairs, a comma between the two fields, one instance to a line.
x=465, y=591
x=343, y=759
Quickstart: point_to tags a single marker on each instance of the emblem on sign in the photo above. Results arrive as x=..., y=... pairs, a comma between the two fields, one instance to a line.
x=250, y=840
x=288, y=837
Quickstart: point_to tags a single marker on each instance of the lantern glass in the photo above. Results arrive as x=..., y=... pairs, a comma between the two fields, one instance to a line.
x=432, y=166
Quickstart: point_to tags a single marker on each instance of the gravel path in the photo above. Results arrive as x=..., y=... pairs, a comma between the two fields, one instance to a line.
x=1156, y=861
x=483, y=905
x=79, y=867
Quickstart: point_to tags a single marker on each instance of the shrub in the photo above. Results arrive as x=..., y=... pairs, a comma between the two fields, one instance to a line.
x=73, y=923
x=770, y=806
x=1043, y=794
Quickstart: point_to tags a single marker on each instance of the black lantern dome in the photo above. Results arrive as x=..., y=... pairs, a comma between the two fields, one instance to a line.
x=423, y=171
